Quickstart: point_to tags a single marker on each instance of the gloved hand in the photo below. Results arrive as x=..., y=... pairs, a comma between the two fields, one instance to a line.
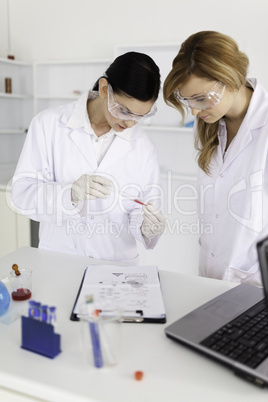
x=153, y=223
x=90, y=187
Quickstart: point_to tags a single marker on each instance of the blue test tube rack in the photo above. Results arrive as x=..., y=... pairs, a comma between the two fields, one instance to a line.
x=39, y=337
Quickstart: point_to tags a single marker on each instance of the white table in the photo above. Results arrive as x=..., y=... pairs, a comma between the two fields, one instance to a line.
x=172, y=372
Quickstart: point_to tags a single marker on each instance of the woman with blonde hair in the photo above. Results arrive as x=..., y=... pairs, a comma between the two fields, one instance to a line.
x=209, y=77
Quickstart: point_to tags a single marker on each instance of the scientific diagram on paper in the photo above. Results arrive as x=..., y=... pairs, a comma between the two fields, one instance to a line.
x=135, y=289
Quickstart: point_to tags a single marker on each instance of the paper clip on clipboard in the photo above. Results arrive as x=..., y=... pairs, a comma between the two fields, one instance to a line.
x=133, y=316
x=137, y=316
x=127, y=316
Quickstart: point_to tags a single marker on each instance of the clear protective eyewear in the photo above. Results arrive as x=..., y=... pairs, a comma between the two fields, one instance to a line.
x=203, y=101
x=122, y=113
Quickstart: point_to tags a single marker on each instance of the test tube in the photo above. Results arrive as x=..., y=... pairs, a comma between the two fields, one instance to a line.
x=31, y=309
x=37, y=312
x=44, y=313
x=34, y=309
x=52, y=315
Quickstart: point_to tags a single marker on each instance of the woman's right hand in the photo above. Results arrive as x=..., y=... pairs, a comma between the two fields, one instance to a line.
x=90, y=187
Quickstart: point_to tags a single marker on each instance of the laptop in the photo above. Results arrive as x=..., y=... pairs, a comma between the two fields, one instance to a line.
x=232, y=328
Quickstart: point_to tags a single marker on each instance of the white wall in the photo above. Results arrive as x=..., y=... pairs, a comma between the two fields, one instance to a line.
x=81, y=29
x=87, y=29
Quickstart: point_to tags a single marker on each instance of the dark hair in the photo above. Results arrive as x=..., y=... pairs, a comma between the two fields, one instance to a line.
x=135, y=75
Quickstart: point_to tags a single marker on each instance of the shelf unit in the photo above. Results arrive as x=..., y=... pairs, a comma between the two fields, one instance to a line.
x=16, y=108
x=16, y=112
x=14, y=96
x=59, y=82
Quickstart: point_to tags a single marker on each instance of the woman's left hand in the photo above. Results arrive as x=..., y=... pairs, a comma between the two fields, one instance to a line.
x=153, y=223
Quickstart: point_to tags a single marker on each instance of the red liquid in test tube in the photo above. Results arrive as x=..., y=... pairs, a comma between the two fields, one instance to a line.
x=139, y=202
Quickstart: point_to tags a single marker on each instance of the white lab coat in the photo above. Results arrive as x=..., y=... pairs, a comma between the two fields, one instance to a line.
x=54, y=156
x=233, y=199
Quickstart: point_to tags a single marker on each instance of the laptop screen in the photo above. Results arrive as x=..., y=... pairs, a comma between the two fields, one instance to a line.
x=262, y=248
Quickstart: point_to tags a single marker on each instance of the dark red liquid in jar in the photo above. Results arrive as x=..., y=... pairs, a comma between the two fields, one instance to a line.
x=21, y=294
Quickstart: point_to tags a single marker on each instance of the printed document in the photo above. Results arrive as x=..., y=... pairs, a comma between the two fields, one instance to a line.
x=134, y=288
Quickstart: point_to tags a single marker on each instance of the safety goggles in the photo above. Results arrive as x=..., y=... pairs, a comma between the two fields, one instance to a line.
x=204, y=101
x=122, y=113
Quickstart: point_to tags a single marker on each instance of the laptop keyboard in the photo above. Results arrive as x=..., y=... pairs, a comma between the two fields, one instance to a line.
x=245, y=339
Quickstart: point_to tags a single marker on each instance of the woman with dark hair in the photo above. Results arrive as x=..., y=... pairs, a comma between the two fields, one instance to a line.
x=209, y=78
x=87, y=167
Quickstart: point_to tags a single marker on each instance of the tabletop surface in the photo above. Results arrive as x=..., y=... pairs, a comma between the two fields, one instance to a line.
x=172, y=372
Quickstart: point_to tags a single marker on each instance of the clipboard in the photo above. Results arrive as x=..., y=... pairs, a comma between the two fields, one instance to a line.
x=136, y=288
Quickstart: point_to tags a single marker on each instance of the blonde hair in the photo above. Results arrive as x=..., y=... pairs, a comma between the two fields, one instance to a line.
x=213, y=56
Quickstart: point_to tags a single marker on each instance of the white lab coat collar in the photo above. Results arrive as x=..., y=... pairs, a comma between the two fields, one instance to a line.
x=79, y=117
x=252, y=121
x=118, y=148
x=254, y=117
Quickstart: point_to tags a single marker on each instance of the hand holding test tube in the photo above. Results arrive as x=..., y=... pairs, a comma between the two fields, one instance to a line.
x=153, y=223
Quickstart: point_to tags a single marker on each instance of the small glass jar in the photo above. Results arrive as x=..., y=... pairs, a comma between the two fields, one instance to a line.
x=21, y=285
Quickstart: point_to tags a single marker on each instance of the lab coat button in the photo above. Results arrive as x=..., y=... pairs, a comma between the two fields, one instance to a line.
x=92, y=217
x=217, y=215
x=212, y=254
x=221, y=175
